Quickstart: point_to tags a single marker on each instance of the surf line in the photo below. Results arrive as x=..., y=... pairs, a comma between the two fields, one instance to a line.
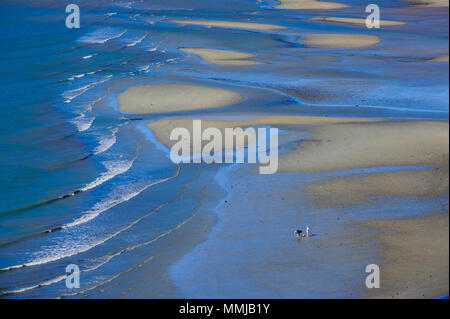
x=110, y=257
x=49, y=282
x=72, y=193
x=82, y=250
x=131, y=248
x=89, y=216
x=104, y=177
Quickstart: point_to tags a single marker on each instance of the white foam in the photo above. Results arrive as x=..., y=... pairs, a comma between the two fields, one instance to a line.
x=105, y=261
x=79, y=76
x=45, y=283
x=83, y=122
x=106, y=142
x=68, y=249
x=84, y=241
x=76, y=76
x=102, y=35
x=122, y=194
x=72, y=94
x=137, y=41
x=89, y=56
x=113, y=168
x=144, y=68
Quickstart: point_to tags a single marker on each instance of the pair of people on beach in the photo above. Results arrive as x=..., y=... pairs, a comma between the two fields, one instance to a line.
x=298, y=233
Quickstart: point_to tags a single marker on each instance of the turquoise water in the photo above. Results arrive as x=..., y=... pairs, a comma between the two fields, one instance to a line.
x=82, y=183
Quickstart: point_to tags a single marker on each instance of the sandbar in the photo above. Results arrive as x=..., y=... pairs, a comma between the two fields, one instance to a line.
x=223, y=57
x=174, y=97
x=340, y=40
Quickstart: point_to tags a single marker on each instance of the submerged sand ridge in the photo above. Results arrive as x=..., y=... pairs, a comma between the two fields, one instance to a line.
x=231, y=24
x=174, y=97
x=356, y=21
x=223, y=57
x=309, y=5
x=442, y=58
x=430, y=3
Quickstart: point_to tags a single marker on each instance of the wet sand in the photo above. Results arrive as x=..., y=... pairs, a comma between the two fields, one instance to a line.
x=363, y=188
x=441, y=58
x=251, y=252
x=356, y=21
x=340, y=40
x=258, y=254
x=232, y=24
x=162, y=128
x=162, y=98
x=416, y=257
x=335, y=144
x=223, y=57
x=430, y=3
x=347, y=146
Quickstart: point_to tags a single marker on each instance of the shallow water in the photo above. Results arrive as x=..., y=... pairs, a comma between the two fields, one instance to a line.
x=83, y=183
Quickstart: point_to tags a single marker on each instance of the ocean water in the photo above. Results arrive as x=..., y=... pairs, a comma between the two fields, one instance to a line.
x=81, y=183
